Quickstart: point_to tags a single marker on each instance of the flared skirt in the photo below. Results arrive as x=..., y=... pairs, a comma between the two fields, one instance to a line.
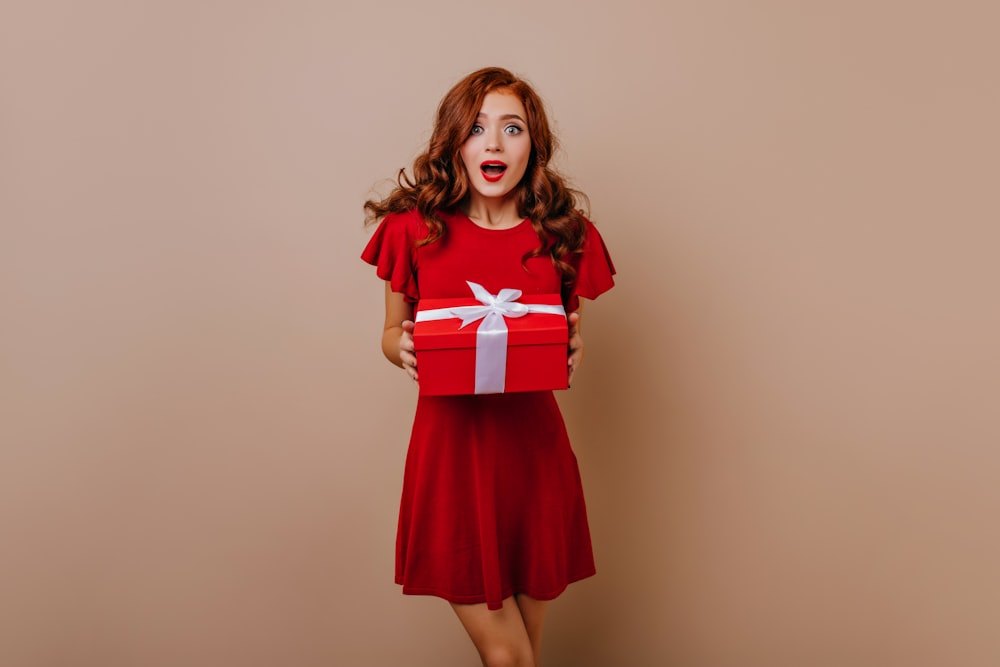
x=492, y=501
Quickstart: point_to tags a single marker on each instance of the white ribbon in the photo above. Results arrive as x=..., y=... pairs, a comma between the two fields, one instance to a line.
x=491, y=336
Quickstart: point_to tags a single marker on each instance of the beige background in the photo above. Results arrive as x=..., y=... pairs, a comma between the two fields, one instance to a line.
x=787, y=423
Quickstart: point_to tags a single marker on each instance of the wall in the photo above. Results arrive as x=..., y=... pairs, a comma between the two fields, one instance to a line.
x=787, y=419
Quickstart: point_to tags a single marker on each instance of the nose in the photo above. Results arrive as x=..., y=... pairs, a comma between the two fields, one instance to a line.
x=494, y=141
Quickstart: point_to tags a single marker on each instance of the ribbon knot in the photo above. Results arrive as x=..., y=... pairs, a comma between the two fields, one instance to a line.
x=502, y=304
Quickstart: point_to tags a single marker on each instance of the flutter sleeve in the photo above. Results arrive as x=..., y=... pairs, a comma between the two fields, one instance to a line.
x=594, y=269
x=392, y=252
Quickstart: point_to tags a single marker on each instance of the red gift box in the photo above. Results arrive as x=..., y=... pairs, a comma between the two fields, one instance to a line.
x=491, y=344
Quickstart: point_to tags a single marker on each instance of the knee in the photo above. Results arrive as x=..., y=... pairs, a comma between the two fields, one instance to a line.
x=508, y=656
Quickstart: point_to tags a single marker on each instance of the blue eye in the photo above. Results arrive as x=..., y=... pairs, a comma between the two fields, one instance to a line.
x=513, y=129
x=477, y=129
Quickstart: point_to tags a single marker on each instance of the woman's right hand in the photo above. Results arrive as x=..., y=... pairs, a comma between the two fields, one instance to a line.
x=407, y=355
x=397, y=336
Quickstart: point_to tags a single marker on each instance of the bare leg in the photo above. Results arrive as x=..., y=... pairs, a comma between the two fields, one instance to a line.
x=500, y=636
x=533, y=614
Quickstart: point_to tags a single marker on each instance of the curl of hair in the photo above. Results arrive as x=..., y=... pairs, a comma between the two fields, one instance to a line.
x=440, y=182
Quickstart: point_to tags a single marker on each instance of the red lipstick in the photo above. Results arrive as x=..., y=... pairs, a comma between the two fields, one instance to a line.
x=492, y=170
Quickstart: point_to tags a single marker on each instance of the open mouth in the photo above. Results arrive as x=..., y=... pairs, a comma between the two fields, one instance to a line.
x=493, y=170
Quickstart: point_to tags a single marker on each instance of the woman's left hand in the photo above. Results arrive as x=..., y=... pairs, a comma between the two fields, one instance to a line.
x=575, y=345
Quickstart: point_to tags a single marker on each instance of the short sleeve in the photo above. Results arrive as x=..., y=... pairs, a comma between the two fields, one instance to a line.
x=391, y=251
x=594, y=269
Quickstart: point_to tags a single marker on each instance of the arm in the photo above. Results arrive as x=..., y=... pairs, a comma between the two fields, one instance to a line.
x=575, y=352
x=397, y=337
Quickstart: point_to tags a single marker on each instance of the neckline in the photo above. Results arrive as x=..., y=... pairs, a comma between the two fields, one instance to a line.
x=490, y=230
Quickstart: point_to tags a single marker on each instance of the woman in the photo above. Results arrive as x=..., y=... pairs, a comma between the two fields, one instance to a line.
x=492, y=516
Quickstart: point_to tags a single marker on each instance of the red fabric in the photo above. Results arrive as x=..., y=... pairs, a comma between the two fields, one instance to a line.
x=492, y=502
x=390, y=250
x=594, y=270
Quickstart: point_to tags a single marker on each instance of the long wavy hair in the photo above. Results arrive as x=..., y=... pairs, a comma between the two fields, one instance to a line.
x=440, y=181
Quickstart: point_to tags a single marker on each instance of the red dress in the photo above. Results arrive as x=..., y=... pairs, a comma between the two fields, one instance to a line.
x=492, y=503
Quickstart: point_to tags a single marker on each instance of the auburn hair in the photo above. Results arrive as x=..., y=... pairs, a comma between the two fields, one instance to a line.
x=440, y=181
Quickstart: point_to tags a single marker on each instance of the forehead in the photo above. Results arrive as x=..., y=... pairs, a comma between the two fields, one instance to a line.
x=502, y=103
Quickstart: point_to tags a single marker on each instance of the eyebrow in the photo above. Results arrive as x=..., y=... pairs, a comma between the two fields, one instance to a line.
x=506, y=116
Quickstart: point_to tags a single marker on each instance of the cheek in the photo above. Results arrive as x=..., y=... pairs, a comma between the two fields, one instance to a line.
x=525, y=156
x=469, y=148
x=464, y=152
x=525, y=149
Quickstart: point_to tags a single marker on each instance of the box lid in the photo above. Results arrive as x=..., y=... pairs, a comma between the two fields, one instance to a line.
x=531, y=329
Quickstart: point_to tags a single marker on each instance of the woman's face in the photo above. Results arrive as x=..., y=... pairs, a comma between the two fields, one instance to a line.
x=497, y=150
